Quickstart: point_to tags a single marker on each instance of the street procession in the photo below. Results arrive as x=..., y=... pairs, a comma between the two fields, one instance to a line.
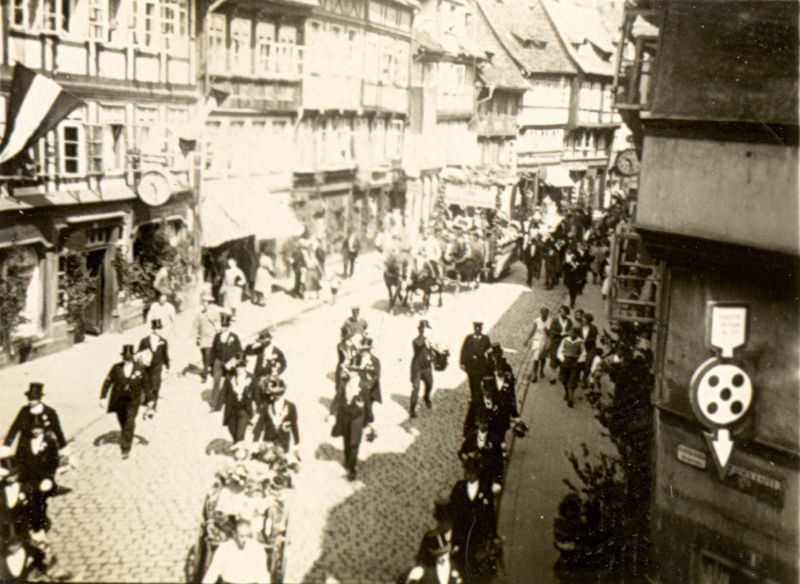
x=399, y=291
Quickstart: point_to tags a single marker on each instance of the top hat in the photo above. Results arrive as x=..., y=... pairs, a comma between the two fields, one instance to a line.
x=35, y=390
x=424, y=324
x=442, y=508
x=265, y=335
x=275, y=386
x=225, y=320
x=366, y=343
x=155, y=324
x=128, y=351
x=471, y=464
x=436, y=544
x=477, y=323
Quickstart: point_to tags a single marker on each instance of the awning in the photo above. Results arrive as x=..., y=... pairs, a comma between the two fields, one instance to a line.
x=470, y=195
x=20, y=234
x=236, y=208
x=558, y=176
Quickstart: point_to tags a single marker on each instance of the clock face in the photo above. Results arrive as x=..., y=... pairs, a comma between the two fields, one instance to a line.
x=627, y=163
x=154, y=189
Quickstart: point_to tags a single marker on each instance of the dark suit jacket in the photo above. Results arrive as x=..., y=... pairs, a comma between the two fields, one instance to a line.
x=23, y=425
x=427, y=575
x=423, y=356
x=490, y=455
x=227, y=350
x=33, y=468
x=590, y=339
x=477, y=517
x=237, y=406
x=284, y=432
x=270, y=360
x=473, y=353
x=133, y=389
x=160, y=353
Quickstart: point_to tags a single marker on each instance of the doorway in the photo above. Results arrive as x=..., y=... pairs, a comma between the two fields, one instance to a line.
x=93, y=313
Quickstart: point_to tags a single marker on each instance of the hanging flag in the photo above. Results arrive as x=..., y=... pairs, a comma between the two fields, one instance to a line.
x=191, y=131
x=37, y=104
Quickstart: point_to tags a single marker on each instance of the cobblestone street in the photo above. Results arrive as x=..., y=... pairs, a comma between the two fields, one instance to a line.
x=136, y=520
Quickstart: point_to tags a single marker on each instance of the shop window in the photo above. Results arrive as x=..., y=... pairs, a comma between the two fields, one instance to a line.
x=27, y=263
x=61, y=298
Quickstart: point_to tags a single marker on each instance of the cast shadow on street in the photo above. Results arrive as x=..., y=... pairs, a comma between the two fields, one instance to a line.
x=113, y=437
x=192, y=369
x=393, y=509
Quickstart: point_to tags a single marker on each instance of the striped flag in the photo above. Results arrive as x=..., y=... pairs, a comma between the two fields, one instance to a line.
x=37, y=104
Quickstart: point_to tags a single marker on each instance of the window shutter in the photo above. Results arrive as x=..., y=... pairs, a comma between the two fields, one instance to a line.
x=94, y=139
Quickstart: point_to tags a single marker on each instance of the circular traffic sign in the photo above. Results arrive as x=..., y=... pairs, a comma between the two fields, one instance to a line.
x=721, y=393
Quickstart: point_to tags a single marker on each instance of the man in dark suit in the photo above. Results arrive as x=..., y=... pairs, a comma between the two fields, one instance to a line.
x=368, y=367
x=421, y=368
x=270, y=360
x=155, y=354
x=352, y=408
x=129, y=388
x=474, y=520
x=437, y=566
x=37, y=461
x=277, y=421
x=350, y=250
x=33, y=413
x=480, y=444
x=475, y=358
x=225, y=347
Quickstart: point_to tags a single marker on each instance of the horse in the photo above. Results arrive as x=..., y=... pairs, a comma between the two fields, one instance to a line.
x=395, y=276
x=425, y=277
x=464, y=263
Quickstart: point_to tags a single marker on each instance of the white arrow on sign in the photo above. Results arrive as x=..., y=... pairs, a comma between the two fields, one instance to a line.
x=721, y=446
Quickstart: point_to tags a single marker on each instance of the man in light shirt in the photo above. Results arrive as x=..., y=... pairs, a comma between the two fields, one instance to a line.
x=240, y=560
x=162, y=310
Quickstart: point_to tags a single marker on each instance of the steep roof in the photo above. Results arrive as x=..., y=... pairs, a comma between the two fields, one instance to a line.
x=500, y=69
x=583, y=34
x=526, y=32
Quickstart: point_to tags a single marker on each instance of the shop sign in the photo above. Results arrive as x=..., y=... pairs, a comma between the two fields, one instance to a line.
x=720, y=391
x=692, y=457
x=755, y=484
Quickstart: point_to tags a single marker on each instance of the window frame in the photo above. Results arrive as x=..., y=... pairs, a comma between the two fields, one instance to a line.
x=80, y=144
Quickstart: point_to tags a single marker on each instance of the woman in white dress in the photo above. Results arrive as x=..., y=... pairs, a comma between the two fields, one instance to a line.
x=538, y=339
x=264, y=278
x=233, y=284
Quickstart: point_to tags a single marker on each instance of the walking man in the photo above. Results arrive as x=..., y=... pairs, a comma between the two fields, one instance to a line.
x=354, y=324
x=568, y=353
x=352, y=247
x=556, y=331
x=225, y=346
x=129, y=388
x=421, y=368
x=352, y=408
x=33, y=413
x=474, y=358
x=206, y=325
x=154, y=351
x=270, y=360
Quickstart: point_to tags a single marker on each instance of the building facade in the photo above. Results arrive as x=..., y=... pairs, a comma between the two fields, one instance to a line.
x=76, y=190
x=565, y=122
x=718, y=208
x=444, y=74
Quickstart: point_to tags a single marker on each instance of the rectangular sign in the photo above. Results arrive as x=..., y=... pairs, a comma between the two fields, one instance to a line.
x=727, y=326
x=692, y=457
x=755, y=484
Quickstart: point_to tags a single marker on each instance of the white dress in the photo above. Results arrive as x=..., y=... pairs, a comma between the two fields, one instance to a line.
x=264, y=277
x=233, y=285
x=539, y=340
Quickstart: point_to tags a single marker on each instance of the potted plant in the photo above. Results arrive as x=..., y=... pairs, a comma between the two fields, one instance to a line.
x=79, y=290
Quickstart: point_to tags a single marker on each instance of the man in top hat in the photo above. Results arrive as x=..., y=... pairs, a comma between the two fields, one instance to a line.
x=206, y=324
x=443, y=515
x=437, y=566
x=33, y=413
x=474, y=519
x=238, y=397
x=156, y=360
x=277, y=421
x=36, y=460
x=225, y=346
x=368, y=367
x=474, y=360
x=479, y=443
x=421, y=367
x=129, y=387
x=270, y=360
x=354, y=324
